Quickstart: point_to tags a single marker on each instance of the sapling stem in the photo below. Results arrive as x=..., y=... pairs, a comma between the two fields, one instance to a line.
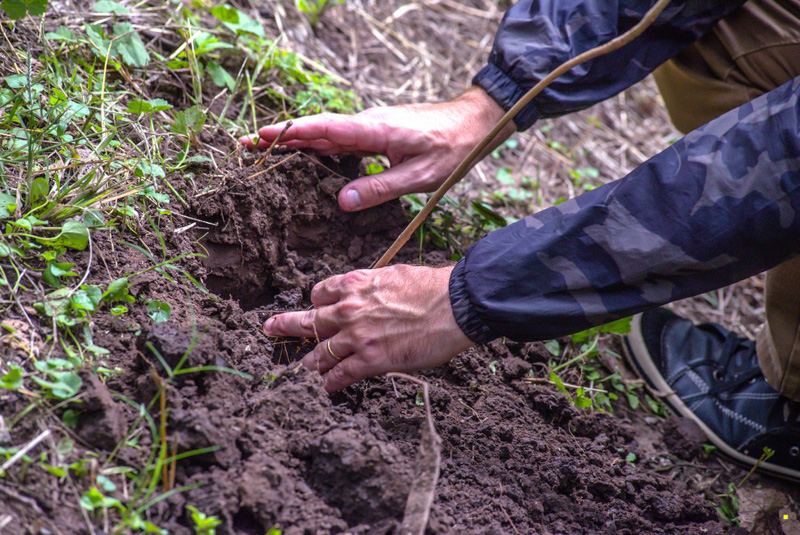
x=461, y=170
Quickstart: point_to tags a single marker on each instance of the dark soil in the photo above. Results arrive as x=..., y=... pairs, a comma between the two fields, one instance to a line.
x=279, y=451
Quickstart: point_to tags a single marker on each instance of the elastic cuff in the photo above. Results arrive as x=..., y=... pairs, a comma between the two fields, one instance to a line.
x=466, y=315
x=506, y=92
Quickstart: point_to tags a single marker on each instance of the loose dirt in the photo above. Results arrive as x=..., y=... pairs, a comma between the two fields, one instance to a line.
x=279, y=451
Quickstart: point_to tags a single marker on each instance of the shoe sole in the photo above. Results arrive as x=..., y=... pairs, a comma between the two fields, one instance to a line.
x=644, y=365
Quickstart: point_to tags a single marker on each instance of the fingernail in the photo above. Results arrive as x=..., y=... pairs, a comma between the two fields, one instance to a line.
x=268, y=325
x=352, y=199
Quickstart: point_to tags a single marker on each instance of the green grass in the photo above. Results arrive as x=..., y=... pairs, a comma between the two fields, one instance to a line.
x=88, y=144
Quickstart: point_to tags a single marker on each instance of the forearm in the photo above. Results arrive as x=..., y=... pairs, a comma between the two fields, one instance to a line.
x=536, y=36
x=720, y=205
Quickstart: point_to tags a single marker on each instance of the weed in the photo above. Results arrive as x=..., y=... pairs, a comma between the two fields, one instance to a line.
x=314, y=9
x=454, y=225
x=203, y=524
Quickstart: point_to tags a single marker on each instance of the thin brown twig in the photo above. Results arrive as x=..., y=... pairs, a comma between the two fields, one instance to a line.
x=271, y=167
x=274, y=143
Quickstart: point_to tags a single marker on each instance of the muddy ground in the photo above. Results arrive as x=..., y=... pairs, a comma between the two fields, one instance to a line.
x=516, y=456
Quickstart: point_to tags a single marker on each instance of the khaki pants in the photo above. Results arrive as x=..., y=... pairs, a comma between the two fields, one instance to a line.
x=752, y=51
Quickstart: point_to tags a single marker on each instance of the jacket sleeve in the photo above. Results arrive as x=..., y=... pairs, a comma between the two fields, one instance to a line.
x=720, y=205
x=536, y=36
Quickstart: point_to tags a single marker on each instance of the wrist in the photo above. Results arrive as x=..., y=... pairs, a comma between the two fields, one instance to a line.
x=483, y=113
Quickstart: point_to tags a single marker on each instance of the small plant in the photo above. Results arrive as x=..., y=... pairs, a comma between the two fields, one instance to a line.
x=203, y=524
x=314, y=9
x=727, y=506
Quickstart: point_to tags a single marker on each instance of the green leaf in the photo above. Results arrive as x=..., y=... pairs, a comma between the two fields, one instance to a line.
x=8, y=205
x=55, y=270
x=237, y=21
x=39, y=189
x=108, y=6
x=220, y=76
x=64, y=385
x=189, y=120
x=117, y=291
x=159, y=311
x=621, y=326
x=582, y=402
x=226, y=14
x=633, y=401
x=151, y=193
x=61, y=34
x=87, y=298
x=98, y=38
x=148, y=106
x=74, y=235
x=17, y=9
x=13, y=379
x=128, y=44
x=558, y=382
x=375, y=168
x=93, y=218
x=553, y=347
x=149, y=169
x=505, y=177
x=631, y=457
x=70, y=418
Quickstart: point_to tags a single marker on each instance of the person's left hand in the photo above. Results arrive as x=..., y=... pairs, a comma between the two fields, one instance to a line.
x=396, y=318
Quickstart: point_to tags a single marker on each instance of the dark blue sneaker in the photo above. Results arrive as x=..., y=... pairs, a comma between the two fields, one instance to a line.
x=711, y=375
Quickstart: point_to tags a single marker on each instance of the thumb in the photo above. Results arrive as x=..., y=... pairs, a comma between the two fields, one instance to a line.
x=379, y=188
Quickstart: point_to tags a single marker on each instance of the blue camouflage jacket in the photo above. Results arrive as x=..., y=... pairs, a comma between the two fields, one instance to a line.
x=716, y=207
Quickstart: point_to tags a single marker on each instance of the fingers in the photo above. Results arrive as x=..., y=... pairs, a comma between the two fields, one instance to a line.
x=320, y=358
x=412, y=176
x=349, y=371
x=305, y=324
x=352, y=131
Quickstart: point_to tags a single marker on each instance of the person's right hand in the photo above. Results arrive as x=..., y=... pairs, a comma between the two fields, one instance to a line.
x=423, y=142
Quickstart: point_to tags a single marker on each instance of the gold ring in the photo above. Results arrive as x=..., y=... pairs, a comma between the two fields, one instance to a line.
x=330, y=351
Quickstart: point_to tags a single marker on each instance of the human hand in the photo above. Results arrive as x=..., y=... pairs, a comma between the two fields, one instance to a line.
x=396, y=318
x=423, y=142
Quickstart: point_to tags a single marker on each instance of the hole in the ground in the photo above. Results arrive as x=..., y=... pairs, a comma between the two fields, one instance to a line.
x=231, y=277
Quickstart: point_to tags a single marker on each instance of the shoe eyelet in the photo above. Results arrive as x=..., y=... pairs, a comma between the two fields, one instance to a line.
x=715, y=374
x=794, y=451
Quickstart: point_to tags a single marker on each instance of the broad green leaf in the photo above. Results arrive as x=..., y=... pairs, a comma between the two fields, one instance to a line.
x=74, y=235
x=13, y=379
x=148, y=106
x=56, y=270
x=87, y=298
x=62, y=34
x=93, y=218
x=633, y=401
x=39, y=188
x=237, y=21
x=226, y=14
x=582, y=402
x=117, y=291
x=220, y=76
x=504, y=176
x=189, y=120
x=16, y=81
x=98, y=38
x=149, y=169
x=129, y=45
x=108, y=6
x=17, y=9
x=8, y=205
x=151, y=193
x=159, y=311
x=63, y=386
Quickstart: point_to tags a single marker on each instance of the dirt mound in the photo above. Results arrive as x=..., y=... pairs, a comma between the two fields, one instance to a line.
x=275, y=450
